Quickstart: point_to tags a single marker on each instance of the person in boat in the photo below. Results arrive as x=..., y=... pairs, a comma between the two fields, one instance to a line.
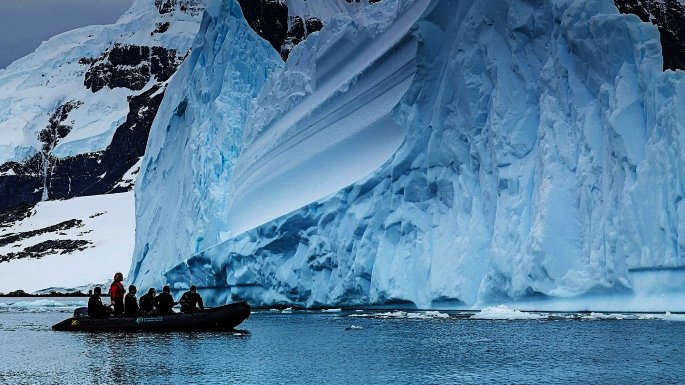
x=116, y=294
x=96, y=309
x=147, y=302
x=131, y=308
x=164, y=302
x=191, y=301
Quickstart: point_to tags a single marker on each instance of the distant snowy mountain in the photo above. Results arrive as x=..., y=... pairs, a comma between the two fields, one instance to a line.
x=75, y=119
x=428, y=153
x=76, y=113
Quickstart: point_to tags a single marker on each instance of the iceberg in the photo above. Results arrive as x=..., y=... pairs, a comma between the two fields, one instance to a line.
x=436, y=154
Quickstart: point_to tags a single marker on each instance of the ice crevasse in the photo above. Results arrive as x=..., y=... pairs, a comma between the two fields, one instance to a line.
x=430, y=153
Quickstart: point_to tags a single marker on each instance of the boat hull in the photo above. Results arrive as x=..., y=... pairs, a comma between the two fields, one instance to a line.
x=221, y=318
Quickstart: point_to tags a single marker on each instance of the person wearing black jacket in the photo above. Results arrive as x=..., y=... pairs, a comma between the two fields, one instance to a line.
x=96, y=309
x=147, y=302
x=131, y=308
x=164, y=302
x=190, y=301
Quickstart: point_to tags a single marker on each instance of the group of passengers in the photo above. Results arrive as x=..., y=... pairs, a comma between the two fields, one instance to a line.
x=126, y=305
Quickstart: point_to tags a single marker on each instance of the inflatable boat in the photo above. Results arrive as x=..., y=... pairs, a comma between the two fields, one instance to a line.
x=220, y=318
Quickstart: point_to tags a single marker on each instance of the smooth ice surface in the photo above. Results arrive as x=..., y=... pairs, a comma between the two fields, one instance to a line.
x=326, y=119
x=539, y=162
x=109, y=226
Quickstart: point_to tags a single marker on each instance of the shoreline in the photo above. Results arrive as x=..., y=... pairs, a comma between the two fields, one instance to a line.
x=23, y=294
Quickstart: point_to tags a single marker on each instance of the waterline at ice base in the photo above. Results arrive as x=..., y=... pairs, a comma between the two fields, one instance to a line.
x=430, y=154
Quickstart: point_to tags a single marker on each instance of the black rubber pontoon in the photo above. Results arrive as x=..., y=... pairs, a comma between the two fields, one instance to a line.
x=220, y=318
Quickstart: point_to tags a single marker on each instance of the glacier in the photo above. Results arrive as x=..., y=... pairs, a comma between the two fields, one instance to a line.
x=431, y=154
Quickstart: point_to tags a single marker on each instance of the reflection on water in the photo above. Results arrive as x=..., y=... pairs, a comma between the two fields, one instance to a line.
x=322, y=348
x=124, y=357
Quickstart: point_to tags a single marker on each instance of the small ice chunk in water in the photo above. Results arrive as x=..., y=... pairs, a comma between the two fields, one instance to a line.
x=436, y=314
x=331, y=310
x=404, y=315
x=354, y=327
x=673, y=317
x=503, y=312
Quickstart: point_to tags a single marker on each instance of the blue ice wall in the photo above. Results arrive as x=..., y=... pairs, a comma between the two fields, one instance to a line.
x=542, y=160
x=194, y=142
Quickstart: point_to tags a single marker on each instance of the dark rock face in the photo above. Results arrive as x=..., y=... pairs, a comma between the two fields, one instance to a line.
x=84, y=174
x=100, y=172
x=669, y=16
x=44, y=176
x=130, y=66
x=297, y=32
x=13, y=238
x=161, y=27
x=167, y=6
x=10, y=217
x=57, y=127
x=269, y=18
x=49, y=247
x=41, y=249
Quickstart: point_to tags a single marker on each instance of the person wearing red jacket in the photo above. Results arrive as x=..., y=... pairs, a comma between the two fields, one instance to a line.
x=116, y=294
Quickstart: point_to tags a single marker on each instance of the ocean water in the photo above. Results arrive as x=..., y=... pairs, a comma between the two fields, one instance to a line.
x=347, y=347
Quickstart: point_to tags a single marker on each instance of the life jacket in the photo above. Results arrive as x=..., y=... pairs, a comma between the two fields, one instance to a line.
x=117, y=291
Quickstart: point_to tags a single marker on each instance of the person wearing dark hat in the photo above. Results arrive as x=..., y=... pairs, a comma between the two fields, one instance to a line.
x=164, y=302
x=191, y=300
x=131, y=308
x=147, y=302
x=96, y=309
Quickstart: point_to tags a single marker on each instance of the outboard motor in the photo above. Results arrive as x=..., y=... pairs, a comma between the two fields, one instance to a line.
x=81, y=312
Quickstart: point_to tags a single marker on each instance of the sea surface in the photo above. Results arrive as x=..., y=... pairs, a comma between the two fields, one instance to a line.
x=348, y=347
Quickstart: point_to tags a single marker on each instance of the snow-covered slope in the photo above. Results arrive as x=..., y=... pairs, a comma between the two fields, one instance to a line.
x=66, y=243
x=540, y=157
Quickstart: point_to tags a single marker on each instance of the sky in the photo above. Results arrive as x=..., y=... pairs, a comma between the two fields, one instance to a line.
x=24, y=24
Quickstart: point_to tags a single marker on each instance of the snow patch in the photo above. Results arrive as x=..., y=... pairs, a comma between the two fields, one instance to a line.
x=108, y=223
